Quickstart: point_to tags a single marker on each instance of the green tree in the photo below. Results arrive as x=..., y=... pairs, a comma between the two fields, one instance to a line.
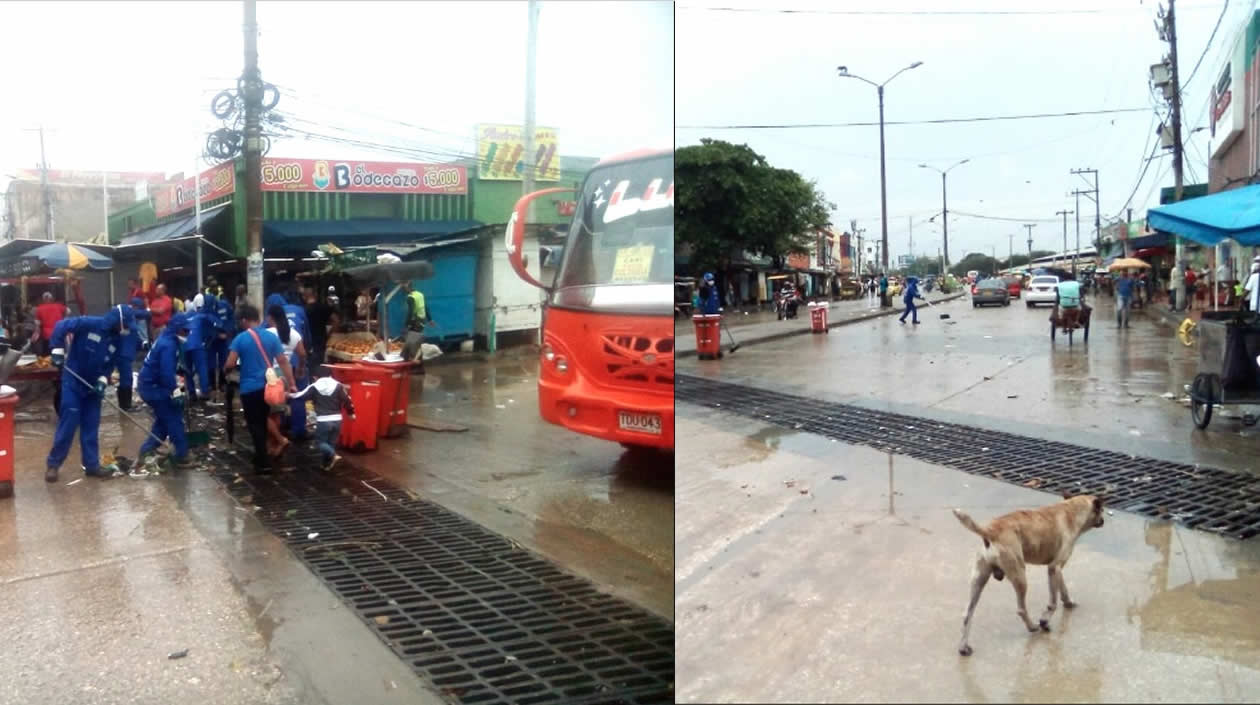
x=980, y=262
x=731, y=200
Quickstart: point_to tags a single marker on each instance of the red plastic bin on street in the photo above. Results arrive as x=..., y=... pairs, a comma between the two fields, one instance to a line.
x=395, y=379
x=361, y=433
x=8, y=407
x=708, y=335
x=818, y=317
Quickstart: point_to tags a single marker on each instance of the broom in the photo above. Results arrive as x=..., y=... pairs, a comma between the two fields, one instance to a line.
x=729, y=334
x=943, y=315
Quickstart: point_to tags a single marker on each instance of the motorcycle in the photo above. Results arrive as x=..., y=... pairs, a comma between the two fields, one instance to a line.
x=787, y=303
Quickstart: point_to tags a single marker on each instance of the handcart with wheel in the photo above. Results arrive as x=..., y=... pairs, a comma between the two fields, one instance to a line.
x=1228, y=370
x=1069, y=320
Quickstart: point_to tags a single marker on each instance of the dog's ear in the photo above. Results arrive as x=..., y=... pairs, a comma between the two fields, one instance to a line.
x=1098, y=504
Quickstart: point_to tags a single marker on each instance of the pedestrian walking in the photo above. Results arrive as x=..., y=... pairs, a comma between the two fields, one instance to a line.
x=83, y=384
x=912, y=293
x=1176, y=282
x=295, y=351
x=1191, y=279
x=330, y=399
x=1124, y=297
x=159, y=388
x=299, y=322
x=1252, y=287
x=883, y=290
x=256, y=351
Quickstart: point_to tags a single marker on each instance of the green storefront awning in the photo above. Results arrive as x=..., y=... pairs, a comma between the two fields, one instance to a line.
x=305, y=235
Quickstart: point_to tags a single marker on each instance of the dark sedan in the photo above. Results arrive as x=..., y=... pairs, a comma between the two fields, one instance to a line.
x=991, y=291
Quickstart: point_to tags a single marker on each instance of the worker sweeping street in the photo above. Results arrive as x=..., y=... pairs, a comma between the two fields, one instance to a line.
x=200, y=330
x=159, y=388
x=912, y=293
x=83, y=383
x=297, y=321
x=225, y=330
x=124, y=353
x=709, y=304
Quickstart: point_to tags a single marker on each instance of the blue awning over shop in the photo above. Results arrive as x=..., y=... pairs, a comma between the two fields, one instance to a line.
x=180, y=227
x=1210, y=219
x=359, y=232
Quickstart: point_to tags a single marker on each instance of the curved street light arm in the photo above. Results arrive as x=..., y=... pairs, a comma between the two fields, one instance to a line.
x=915, y=65
x=844, y=73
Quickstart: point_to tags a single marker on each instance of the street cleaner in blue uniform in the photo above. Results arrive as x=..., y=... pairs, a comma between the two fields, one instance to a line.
x=297, y=407
x=709, y=303
x=912, y=293
x=225, y=331
x=124, y=353
x=200, y=330
x=159, y=388
x=83, y=383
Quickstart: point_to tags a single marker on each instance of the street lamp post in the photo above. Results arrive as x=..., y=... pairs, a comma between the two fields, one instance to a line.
x=944, y=206
x=843, y=72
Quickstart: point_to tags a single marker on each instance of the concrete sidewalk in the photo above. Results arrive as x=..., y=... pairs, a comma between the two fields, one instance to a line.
x=762, y=326
x=844, y=577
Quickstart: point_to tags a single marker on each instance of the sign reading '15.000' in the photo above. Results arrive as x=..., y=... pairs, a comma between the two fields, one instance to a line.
x=362, y=177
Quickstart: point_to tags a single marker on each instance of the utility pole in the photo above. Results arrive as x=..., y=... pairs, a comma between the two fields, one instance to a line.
x=1030, y=226
x=910, y=225
x=1065, y=214
x=252, y=90
x=1168, y=32
x=531, y=62
x=1093, y=195
x=49, y=231
x=1128, y=228
x=1010, y=250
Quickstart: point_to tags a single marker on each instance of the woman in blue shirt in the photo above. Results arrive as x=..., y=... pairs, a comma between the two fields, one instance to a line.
x=245, y=349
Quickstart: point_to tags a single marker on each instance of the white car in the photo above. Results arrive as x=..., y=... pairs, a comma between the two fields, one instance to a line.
x=1043, y=289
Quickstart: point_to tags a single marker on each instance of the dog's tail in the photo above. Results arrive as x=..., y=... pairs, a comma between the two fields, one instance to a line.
x=970, y=523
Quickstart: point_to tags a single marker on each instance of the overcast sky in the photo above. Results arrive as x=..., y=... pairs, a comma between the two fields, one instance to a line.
x=766, y=67
x=127, y=86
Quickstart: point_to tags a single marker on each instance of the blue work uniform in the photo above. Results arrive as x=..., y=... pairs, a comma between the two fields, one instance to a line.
x=124, y=353
x=200, y=329
x=157, y=383
x=912, y=293
x=88, y=357
x=225, y=330
x=298, y=322
x=709, y=303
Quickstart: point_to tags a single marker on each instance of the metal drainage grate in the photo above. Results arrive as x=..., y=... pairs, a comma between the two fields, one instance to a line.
x=1208, y=499
x=479, y=617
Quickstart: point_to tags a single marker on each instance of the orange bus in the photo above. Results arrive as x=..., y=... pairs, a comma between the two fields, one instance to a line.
x=607, y=357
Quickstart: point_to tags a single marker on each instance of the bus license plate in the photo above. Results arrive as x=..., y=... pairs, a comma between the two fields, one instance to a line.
x=644, y=423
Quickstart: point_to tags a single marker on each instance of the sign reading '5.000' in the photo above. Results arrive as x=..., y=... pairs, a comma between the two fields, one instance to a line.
x=362, y=177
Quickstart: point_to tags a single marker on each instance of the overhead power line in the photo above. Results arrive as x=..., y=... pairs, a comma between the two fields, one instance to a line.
x=1055, y=11
x=1014, y=220
x=1206, y=47
x=939, y=121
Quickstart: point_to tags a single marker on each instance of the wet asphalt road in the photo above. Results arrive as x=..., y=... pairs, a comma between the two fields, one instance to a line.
x=840, y=571
x=997, y=368
x=103, y=579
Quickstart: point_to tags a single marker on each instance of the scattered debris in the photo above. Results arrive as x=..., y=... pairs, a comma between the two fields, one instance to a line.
x=382, y=494
x=313, y=535
x=789, y=483
x=74, y=482
x=178, y=654
x=1168, y=395
x=382, y=619
x=290, y=514
x=1033, y=483
x=499, y=406
x=1012, y=396
x=839, y=477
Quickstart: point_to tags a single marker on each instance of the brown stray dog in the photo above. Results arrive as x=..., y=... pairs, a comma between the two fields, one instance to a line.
x=1042, y=536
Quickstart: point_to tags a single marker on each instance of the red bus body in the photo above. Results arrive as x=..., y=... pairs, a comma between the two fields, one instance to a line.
x=606, y=367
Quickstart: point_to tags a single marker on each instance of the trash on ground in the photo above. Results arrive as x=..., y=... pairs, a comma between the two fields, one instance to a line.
x=290, y=514
x=789, y=483
x=1034, y=483
x=178, y=654
x=74, y=482
x=313, y=535
x=382, y=619
x=1168, y=395
x=1012, y=396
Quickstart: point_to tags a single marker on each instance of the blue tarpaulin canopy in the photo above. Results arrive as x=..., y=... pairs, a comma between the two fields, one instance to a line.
x=1210, y=219
x=358, y=232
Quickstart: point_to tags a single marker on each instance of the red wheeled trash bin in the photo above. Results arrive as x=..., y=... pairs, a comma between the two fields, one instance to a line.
x=8, y=407
x=361, y=432
x=708, y=335
x=395, y=379
x=818, y=317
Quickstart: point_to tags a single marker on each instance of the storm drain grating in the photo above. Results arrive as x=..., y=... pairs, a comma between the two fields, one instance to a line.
x=1209, y=499
x=477, y=616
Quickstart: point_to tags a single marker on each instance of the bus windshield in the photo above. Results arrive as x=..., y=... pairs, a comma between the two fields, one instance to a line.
x=619, y=255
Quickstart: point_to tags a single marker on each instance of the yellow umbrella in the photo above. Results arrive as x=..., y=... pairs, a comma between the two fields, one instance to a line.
x=1127, y=263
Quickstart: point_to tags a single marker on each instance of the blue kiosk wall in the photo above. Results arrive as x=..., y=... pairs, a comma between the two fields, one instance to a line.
x=449, y=296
